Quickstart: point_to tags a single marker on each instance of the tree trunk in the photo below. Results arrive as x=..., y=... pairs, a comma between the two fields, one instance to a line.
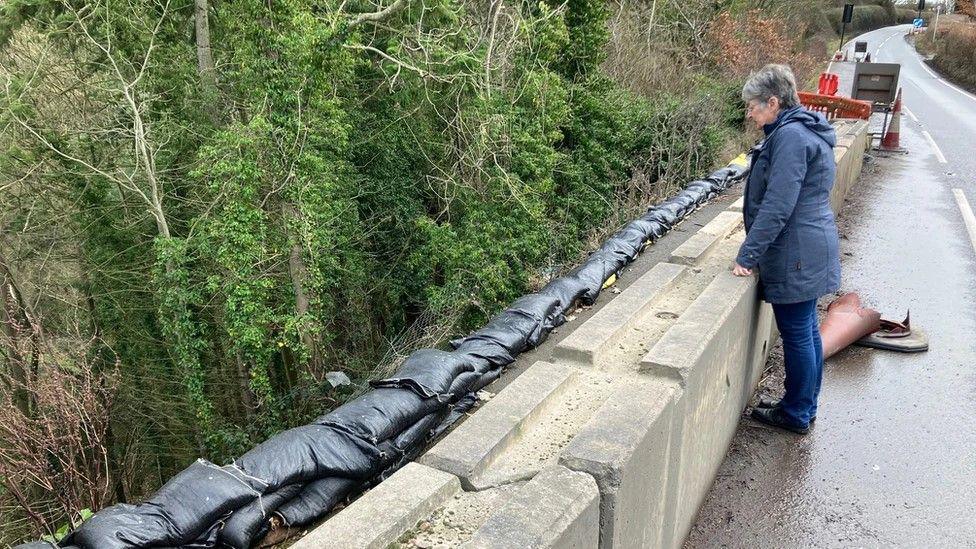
x=16, y=322
x=205, y=61
x=244, y=384
x=297, y=272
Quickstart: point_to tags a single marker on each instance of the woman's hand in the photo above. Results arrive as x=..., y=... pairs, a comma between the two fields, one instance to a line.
x=739, y=270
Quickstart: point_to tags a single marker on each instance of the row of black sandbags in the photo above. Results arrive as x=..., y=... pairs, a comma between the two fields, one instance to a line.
x=302, y=473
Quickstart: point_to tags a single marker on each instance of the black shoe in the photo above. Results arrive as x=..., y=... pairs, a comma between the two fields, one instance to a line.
x=776, y=418
x=766, y=402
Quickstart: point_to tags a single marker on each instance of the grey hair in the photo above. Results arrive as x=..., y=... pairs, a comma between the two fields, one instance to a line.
x=772, y=81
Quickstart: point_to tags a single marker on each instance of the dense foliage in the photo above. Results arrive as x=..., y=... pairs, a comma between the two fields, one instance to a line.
x=952, y=50
x=212, y=207
x=870, y=15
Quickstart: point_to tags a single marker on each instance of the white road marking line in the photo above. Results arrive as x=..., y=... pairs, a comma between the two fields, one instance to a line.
x=935, y=147
x=927, y=69
x=957, y=88
x=877, y=52
x=910, y=114
x=967, y=215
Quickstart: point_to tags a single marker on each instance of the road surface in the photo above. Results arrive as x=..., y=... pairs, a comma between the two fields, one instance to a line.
x=891, y=461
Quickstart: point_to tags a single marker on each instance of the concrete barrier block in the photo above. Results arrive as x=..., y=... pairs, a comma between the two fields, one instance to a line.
x=861, y=143
x=842, y=180
x=737, y=205
x=626, y=447
x=557, y=509
x=710, y=353
x=674, y=356
x=846, y=140
x=472, y=446
x=839, y=152
x=691, y=251
x=619, y=315
x=383, y=514
x=841, y=126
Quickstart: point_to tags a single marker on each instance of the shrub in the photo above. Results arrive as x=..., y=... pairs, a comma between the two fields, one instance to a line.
x=953, y=53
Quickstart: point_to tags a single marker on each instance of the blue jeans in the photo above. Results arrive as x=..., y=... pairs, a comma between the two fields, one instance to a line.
x=803, y=355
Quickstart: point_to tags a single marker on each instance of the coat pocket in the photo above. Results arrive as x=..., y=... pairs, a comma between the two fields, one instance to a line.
x=773, y=263
x=812, y=251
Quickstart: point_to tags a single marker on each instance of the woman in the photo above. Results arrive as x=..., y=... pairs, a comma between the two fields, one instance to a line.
x=791, y=235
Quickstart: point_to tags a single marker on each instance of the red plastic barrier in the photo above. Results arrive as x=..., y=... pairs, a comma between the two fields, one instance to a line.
x=828, y=84
x=833, y=106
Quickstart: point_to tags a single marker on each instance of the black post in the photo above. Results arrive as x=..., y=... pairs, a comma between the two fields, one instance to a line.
x=921, y=6
x=848, y=15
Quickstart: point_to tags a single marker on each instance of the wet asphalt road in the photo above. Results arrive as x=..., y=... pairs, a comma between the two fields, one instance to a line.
x=891, y=461
x=945, y=111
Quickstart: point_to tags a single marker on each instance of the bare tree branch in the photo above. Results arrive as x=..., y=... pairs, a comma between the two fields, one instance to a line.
x=375, y=16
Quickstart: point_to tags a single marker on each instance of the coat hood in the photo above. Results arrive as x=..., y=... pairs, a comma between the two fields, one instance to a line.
x=814, y=121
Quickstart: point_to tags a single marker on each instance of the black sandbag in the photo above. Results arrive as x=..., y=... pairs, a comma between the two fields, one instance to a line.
x=738, y=172
x=380, y=413
x=567, y=290
x=208, y=539
x=672, y=209
x=429, y=372
x=663, y=217
x=249, y=523
x=485, y=380
x=522, y=326
x=682, y=204
x=310, y=452
x=727, y=173
x=316, y=499
x=657, y=229
x=410, y=443
x=472, y=382
x=494, y=353
x=181, y=511
x=619, y=252
x=458, y=411
x=122, y=526
x=705, y=189
x=595, y=271
x=125, y=526
x=688, y=199
x=540, y=307
x=636, y=234
x=462, y=385
x=701, y=184
x=39, y=545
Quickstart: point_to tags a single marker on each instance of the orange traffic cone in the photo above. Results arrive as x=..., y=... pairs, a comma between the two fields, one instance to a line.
x=890, y=140
x=847, y=322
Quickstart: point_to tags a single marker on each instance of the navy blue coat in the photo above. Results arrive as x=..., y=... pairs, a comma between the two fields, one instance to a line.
x=791, y=234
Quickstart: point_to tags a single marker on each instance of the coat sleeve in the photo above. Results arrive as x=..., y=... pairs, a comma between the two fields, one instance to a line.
x=787, y=170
